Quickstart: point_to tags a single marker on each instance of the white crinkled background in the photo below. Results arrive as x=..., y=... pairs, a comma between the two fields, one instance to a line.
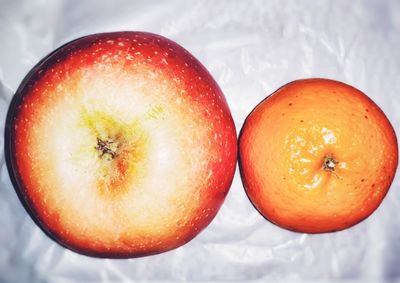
x=251, y=48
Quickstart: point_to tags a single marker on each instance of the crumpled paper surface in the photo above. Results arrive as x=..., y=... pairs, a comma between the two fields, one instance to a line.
x=251, y=48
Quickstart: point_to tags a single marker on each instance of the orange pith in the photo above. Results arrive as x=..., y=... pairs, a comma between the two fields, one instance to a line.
x=317, y=156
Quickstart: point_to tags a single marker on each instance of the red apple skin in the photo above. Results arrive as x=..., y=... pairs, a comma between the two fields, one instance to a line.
x=189, y=96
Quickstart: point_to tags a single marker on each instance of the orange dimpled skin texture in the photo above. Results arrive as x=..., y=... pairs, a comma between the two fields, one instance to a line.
x=317, y=156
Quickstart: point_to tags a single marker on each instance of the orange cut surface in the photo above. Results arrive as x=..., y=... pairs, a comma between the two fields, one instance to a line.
x=317, y=156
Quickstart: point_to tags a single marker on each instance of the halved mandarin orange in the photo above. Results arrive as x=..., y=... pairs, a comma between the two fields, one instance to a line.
x=317, y=156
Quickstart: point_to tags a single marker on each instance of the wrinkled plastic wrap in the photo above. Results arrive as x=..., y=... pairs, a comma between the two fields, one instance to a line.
x=251, y=48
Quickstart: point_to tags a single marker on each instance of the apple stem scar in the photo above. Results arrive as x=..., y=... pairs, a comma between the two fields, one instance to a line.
x=106, y=147
x=329, y=163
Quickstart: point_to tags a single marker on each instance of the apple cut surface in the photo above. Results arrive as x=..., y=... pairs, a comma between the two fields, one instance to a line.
x=121, y=145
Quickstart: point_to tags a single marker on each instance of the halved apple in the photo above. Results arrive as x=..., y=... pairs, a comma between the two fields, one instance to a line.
x=120, y=145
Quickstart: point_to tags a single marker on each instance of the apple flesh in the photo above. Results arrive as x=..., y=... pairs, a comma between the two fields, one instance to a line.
x=120, y=145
